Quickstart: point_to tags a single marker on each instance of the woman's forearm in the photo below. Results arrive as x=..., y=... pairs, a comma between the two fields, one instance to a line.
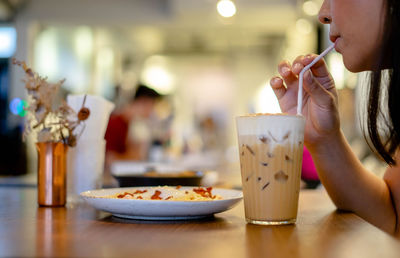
x=350, y=185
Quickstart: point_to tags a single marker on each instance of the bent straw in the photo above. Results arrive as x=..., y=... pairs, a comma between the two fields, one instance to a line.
x=300, y=92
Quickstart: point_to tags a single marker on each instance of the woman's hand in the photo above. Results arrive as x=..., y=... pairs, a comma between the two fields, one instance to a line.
x=319, y=105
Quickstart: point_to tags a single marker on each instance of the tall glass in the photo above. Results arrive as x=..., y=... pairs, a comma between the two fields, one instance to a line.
x=271, y=151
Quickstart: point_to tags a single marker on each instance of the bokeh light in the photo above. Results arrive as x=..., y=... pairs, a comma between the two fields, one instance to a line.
x=310, y=8
x=226, y=8
x=303, y=26
x=8, y=39
x=18, y=107
x=266, y=101
x=157, y=75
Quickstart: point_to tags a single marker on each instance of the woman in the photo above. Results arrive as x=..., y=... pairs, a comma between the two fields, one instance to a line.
x=366, y=34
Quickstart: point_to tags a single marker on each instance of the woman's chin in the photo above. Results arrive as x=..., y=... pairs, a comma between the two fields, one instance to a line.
x=355, y=66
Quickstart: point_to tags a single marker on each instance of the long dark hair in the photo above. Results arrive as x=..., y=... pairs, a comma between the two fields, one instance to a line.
x=387, y=112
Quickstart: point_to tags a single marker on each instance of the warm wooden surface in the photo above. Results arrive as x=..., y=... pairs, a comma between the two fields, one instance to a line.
x=80, y=231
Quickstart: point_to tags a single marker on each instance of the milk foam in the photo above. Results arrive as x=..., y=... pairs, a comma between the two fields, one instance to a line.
x=277, y=125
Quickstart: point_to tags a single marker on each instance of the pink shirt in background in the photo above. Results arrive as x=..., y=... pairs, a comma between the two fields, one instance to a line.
x=308, y=170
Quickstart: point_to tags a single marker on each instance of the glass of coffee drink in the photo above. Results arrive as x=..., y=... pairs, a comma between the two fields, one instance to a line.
x=271, y=151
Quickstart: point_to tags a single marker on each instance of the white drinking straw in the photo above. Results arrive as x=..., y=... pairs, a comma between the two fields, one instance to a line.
x=300, y=93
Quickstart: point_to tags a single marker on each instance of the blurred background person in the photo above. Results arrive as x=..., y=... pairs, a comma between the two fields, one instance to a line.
x=120, y=145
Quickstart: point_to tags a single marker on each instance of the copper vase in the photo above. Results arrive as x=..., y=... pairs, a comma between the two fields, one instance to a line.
x=52, y=180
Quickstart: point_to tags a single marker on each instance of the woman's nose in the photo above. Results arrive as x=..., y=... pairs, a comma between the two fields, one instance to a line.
x=324, y=15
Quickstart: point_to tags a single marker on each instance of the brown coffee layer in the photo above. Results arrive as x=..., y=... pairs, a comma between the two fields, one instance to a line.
x=271, y=170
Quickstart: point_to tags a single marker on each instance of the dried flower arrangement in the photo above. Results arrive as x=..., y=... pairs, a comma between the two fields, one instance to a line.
x=51, y=124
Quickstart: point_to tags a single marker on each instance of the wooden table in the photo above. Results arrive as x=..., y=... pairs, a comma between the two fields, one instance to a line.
x=80, y=231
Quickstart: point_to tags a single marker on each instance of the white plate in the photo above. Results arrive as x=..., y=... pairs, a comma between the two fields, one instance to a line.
x=158, y=209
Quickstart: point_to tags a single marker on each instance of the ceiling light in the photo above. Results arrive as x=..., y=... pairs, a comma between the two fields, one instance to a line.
x=226, y=8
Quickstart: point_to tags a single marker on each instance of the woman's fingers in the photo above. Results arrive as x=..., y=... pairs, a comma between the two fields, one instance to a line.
x=317, y=81
x=285, y=70
x=319, y=95
x=319, y=70
x=278, y=87
x=298, y=65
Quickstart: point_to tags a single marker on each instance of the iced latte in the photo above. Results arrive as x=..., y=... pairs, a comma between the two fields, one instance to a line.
x=271, y=151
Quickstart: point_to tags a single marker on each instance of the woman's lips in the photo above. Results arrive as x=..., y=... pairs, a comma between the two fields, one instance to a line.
x=333, y=38
x=336, y=40
x=337, y=46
